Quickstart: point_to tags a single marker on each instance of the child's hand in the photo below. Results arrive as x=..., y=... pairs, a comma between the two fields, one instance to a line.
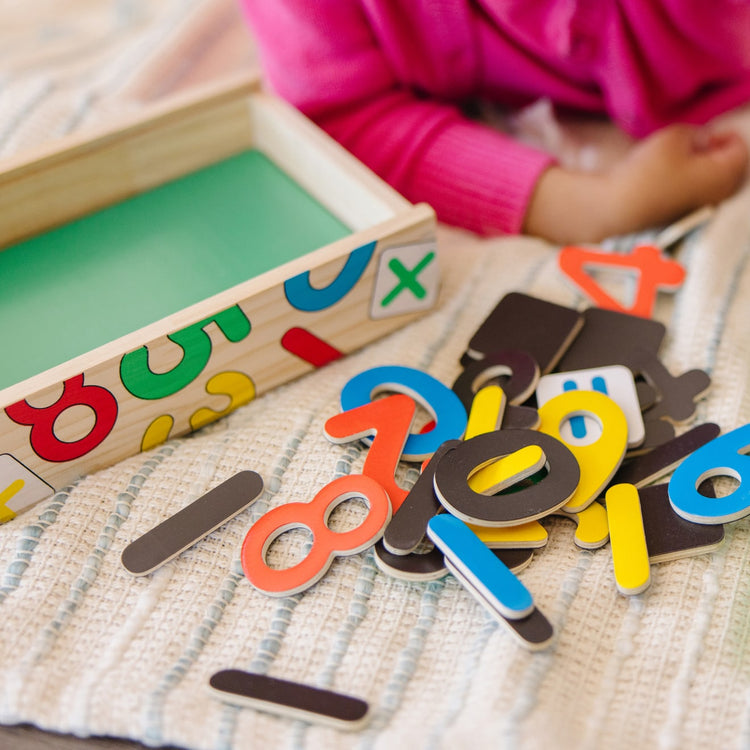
x=665, y=176
x=675, y=171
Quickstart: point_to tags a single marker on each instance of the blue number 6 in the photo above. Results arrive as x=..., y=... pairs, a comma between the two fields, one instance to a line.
x=723, y=456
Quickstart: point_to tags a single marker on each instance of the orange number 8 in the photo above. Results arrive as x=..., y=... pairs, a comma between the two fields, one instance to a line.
x=327, y=543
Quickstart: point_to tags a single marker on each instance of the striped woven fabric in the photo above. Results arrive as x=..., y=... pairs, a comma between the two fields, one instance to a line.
x=88, y=649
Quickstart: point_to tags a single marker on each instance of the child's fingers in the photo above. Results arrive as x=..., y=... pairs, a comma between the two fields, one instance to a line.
x=719, y=167
x=706, y=139
x=669, y=174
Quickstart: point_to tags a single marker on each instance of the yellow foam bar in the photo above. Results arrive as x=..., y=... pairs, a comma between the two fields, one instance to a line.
x=497, y=476
x=528, y=535
x=487, y=409
x=508, y=470
x=627, y=539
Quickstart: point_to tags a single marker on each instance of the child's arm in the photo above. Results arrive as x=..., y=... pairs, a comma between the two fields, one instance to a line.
x=323, y=57
x=670, y=173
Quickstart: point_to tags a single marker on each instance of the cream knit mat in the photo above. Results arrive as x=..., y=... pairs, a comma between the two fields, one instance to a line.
x=88, y=649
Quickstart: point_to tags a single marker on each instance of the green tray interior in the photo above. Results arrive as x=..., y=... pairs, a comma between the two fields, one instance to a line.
x=81, y=285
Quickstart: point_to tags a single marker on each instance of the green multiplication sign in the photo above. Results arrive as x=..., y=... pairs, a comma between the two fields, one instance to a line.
x=81, y=285
x=407, y=278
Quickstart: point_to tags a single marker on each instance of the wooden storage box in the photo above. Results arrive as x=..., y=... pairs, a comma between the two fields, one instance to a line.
x=161, y=274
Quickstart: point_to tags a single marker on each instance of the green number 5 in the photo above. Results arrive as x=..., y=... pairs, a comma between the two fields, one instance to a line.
x=142, y=382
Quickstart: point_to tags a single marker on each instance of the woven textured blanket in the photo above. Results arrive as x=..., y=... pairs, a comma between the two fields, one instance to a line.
x=89, y=649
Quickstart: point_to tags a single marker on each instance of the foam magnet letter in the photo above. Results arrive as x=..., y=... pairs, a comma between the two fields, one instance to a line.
x=291, y=699
x=531, y=535
x=409, y=523
x=658, y=432
x=615, y=381
x=486, y=411
x=389, y=419
x=659, y=462
x=534, y=631
x=519, y=321
x=669, y=536
x=20, y=488
x=327, y=543
x=490, y=582
x=653, y=270
x=502, y=590
x=520, y=418
x=191, y=524
x=609, y=338
x=395, y=552
x=592, y=527
x=723, y=456
x=517, y=372
x=412, y=567
x=407, y=530
x=509, y=470
x=517, y=560
x=407, y=281
x=627, y=539
x=444, y=406
x=527, y=504
x=677, y=394
x=598, y=461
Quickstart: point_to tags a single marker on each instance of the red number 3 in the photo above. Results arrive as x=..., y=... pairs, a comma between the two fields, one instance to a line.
x=327, y=543
x=42, y=420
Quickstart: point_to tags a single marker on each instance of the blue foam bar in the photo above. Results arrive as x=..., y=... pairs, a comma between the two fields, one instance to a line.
x=500, y=588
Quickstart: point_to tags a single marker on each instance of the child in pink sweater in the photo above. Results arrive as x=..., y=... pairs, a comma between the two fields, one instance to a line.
x=388, y=79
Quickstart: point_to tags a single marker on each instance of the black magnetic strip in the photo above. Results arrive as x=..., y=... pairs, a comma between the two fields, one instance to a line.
x=192, y=523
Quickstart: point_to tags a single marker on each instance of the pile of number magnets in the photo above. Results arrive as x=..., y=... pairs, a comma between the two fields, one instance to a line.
x=599, y=435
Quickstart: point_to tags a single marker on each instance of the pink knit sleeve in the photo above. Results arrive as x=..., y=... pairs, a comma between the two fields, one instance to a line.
x=324, y=59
